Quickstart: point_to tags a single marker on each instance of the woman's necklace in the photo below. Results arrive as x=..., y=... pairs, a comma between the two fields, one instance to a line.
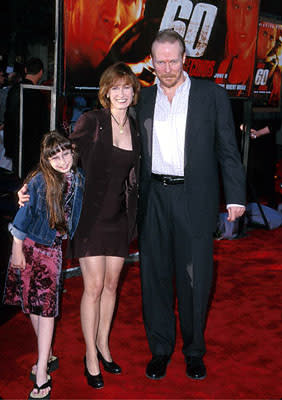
x=120, y=125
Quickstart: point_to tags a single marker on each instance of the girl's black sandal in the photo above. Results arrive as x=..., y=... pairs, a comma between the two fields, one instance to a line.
x=36, y=396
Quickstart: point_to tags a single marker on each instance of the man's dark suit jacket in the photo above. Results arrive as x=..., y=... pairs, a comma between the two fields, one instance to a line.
x=209, y=141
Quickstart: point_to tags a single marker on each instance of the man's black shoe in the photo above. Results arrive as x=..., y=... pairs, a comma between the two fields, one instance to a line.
x=195, y=368
x=156, y=369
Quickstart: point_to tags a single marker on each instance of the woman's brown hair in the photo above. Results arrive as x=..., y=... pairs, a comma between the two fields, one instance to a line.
x=52, y=143
x=111, y=75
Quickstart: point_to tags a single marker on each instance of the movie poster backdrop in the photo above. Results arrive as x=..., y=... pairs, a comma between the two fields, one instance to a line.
x=220, y=37
x=268, y=69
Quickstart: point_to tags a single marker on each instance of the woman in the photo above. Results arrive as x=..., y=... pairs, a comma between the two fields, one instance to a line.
x=107, y=141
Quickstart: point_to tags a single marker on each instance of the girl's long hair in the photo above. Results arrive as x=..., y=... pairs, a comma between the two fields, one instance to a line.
x=52, y=143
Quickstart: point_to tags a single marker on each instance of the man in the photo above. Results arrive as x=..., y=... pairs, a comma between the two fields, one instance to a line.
x=186, y=128
x=36, y=119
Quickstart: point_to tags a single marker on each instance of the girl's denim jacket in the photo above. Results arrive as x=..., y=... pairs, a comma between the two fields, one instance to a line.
x=32, y=219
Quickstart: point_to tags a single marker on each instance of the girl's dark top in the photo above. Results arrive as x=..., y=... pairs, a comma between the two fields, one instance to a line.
x=108, y=218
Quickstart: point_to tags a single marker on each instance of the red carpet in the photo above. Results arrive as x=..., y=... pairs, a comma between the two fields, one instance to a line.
x=243, y=336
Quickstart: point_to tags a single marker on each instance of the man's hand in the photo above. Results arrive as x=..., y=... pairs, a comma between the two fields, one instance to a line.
x=23, y=195
x=235, y=212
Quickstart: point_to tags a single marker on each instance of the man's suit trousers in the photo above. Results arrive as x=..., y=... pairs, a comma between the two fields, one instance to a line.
x=171, y=257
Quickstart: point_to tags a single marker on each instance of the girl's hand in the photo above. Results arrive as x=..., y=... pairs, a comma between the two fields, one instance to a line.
x=18, y=258
x=23, y=195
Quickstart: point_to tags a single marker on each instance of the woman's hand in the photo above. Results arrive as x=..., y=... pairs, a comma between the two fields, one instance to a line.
x=18, y=258
x=23, y=195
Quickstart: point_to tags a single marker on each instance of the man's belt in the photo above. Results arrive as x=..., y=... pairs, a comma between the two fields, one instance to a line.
x=168, y=179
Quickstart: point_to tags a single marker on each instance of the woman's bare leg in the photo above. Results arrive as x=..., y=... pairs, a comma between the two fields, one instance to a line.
x=93, y=273
x=107, y=305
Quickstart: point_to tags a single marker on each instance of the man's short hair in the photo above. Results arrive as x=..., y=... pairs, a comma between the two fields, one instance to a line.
x=33, y=66
x=171, y=36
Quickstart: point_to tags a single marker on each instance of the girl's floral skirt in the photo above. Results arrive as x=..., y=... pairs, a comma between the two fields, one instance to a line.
x=37, y=288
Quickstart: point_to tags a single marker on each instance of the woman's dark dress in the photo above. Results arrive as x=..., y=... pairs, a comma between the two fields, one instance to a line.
x=108, y=215
x=109, y=235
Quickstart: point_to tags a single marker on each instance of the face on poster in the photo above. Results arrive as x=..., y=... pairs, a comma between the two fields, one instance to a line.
x=91, y=29
x=102, y=32
x=235, y=71
x=93, y=26
x=268, y=70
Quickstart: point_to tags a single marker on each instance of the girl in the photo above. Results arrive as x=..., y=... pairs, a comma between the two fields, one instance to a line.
x=34, y=272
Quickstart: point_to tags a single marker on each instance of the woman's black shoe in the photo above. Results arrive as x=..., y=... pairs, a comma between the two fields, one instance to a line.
x=109, y=366
x=96, y=381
